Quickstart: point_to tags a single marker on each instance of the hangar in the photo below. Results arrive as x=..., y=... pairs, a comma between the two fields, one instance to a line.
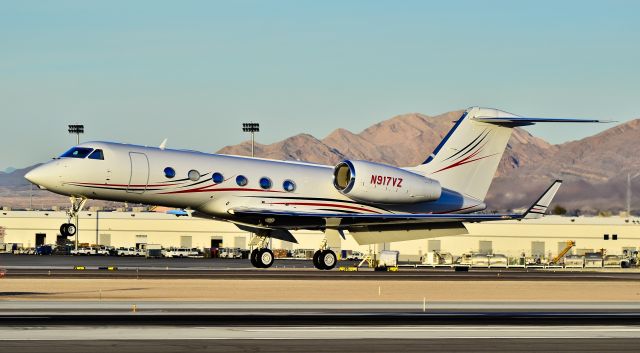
x=543, y=237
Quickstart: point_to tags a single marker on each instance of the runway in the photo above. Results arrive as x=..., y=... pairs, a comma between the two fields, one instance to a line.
x=324, y=334
x=330, y=345
x=145, y=307
x=317, y=327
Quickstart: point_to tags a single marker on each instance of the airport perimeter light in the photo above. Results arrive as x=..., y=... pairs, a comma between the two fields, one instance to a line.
x=76, y=129
x=252, y=128
x=629, y=178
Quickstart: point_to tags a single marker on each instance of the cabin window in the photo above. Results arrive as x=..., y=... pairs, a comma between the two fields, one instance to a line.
x=169, y=173
x=265, y=183
x=242, y=180
x=606, y=237
x=217, y=178
x=194, y=175
x=77, y=152
x=289, y=185
x=614, y=236
x=97, y=154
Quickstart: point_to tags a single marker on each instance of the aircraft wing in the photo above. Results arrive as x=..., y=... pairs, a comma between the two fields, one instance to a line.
x=287, y=219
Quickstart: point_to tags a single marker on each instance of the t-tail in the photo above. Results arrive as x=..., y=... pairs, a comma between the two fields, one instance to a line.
x=467, y=158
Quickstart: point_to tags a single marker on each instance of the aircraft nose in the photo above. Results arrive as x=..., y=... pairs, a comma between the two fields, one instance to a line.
x=37, y=175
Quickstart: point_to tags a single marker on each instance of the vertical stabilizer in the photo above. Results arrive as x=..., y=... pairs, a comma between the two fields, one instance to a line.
x=467, y=158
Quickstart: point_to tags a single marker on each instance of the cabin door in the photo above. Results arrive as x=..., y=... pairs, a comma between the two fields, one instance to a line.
x=139, y=173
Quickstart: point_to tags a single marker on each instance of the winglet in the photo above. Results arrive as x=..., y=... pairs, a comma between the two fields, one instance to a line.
x=539, y=208
x=163, y=145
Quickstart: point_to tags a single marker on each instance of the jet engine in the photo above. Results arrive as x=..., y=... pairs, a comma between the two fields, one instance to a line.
x=379, y=183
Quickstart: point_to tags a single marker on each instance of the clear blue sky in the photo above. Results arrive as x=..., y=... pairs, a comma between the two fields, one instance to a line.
x=192, y=71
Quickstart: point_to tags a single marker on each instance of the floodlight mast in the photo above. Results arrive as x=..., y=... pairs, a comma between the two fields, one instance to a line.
x=629, y=178
x=76, y=129
x=251, y=128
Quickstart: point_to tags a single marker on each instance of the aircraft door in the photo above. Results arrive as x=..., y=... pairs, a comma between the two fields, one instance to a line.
x=139, y=173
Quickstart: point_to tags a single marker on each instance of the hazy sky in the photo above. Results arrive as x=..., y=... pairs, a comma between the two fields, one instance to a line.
x=192, y=71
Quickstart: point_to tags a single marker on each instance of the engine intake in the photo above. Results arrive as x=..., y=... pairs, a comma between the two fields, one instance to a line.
x=379, y=183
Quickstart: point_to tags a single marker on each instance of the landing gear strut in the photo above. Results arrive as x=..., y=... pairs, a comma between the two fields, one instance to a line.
x=324, y=259
x=262, y=257
x=69, y=229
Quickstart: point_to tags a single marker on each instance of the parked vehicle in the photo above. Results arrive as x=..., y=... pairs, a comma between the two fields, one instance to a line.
x=180, y=252
x=131, y=251
x=574, y=261
x=44, y=250
x=498, y=260
x=153, y=251
x=84, y=251
x=230, y=253
x=388, y=258
x=303, y=253
x=613, y=261
x=88, y=251
x=355, y=256
x=104, y=250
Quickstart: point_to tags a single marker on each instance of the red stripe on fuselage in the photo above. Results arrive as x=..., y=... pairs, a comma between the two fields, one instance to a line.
x=323, y=205
x=125, y=185
x=206, y=189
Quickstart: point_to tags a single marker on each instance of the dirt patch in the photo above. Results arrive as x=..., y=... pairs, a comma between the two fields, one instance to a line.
x=315, y=290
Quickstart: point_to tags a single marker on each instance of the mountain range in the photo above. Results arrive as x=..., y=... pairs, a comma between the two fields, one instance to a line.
x=594, y=168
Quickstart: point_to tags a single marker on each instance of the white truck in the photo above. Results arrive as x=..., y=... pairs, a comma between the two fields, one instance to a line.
x=104, y=250
x=84, y=251
x=180, y=252
x=230, y=253
x=354, y=256
x=131, y=251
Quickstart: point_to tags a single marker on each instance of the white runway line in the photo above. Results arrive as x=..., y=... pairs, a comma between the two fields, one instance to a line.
x=81, y=333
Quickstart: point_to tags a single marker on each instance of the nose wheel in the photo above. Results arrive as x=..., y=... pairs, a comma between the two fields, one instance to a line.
x=68, y=229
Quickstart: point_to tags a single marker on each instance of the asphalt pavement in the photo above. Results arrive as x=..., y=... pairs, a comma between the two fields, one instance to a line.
x=32, y=266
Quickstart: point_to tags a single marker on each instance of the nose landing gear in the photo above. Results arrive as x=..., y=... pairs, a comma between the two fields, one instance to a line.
x=69, y=229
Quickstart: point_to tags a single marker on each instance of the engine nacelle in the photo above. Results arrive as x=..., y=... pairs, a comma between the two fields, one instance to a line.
x=379, y=183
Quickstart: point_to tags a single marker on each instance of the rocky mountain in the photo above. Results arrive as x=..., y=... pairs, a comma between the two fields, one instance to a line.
x=594, y=168
x=404, y=140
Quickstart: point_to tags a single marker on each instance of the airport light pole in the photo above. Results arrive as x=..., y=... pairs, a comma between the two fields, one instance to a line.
x=76, y=129
x=629, y=178
x=252, y=128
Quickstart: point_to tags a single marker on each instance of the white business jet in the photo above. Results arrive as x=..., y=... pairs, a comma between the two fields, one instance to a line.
x=374, y=202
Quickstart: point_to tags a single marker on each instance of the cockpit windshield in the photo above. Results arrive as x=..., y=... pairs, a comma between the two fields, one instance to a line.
x=77, y=152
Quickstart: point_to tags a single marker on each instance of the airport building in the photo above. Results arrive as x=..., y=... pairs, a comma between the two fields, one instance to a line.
x=544, y=237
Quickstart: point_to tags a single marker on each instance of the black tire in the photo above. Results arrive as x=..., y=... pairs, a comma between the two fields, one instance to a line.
x=265, y=258
x=63, y=230
x=316, y=260
x=71, y=229
x=328, y=259
x=254, y=258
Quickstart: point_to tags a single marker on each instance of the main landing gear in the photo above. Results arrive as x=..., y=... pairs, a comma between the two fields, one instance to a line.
x=324, y=259
x=262, y=257
x=69, y=229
